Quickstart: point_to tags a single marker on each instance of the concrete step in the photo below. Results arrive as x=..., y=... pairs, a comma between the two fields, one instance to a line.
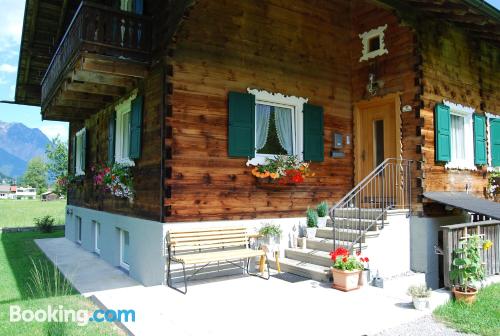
x=365, y=213
x=326, y=245
x=351, y=223
x=344, y=234
x=316, y=257
x=307, y=270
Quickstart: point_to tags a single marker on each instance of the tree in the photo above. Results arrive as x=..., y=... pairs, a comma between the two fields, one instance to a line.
x=36, y=175
x=57, y=163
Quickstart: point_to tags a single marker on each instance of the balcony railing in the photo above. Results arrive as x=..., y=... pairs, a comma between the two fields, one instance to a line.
x=100, y=30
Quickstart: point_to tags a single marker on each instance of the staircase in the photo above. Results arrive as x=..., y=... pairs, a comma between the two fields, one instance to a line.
x=356, y=221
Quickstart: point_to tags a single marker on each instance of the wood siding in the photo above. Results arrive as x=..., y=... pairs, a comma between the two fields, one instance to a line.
x=462, y=70
x=147, y=180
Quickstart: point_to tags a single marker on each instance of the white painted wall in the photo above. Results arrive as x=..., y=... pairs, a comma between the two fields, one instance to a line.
x=424, y=235
x=147, y=260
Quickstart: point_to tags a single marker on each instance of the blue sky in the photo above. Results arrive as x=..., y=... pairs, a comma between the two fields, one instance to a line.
x=10, y=36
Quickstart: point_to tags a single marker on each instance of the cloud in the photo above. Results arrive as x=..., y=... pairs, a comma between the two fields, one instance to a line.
x=8, y=68
x=53, y=129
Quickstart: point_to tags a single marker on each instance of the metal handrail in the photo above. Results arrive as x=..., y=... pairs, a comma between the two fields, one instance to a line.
x=387, y=187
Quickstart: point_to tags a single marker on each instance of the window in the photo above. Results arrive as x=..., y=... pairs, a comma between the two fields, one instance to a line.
x=277, y=121
x=78, y=230
x=79, y=152
x=378, y=141
x=461, y=137
x=373, y=43
x=124, y=249
x=97, y=237
x=122, y=137
x=493, y=124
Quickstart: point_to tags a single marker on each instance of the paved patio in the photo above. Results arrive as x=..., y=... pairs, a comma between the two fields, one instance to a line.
x=237, y=305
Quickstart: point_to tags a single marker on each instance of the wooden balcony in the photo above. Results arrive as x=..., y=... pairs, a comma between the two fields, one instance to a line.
x=102, y=56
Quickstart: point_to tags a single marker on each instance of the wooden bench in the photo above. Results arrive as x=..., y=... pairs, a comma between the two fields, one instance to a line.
x=203, y=246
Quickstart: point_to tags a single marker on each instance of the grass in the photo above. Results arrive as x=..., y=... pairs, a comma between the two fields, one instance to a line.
x=481, y=318
x=30, y=280
x=18, y=213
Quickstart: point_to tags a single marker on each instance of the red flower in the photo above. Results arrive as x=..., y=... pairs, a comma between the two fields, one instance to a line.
x=344, y=259
x=366, y=259
x=358, y=253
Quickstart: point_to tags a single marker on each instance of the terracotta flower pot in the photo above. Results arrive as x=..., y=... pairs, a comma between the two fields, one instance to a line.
x=345, y=280
x=467, y=297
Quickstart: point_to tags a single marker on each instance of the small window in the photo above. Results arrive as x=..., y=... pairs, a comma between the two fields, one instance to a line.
x=461, y=137
x=373, y=43
x=378, y=143
x=80, y=152
x=124, y=249
x=457, y=138
x=122, y=133
x=274, y=130
x=97, y=237
x=78, y=228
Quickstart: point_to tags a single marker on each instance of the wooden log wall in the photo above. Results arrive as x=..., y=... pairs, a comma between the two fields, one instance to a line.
x=399, y=72
x=463, y=70
x=147, y=178
x=294, y=48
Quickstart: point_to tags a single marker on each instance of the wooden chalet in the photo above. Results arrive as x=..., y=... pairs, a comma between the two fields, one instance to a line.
x=177, y=90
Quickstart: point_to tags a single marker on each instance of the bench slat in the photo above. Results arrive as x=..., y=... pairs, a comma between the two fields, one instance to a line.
x=243, y=240
x=208, y=238
x=201, y=231
x=219, y=256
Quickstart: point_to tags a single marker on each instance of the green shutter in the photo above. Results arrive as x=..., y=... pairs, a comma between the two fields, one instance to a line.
x=495, y=141
x=241, y=133
x=84, y=150
x=73, y=155
x=111, y=138
x=479, y=140
x=313, y=133
x=442, y=133
x=136, y=127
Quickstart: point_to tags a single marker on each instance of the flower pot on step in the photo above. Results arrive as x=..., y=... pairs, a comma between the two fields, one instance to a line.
x=466, y=297
x=420, y=303
x=345, y=280
x=322, y=221
x=310, y=232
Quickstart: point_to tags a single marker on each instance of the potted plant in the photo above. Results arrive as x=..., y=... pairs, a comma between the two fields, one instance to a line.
x=364, y=276
x=345, y=270
x=420, y=295
x=322, y=210
x=282, y=170
x=312, y=223
x=271, y=234
x=466, y=267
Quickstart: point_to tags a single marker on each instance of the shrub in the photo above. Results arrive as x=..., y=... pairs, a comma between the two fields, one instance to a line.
x=45, y=223
x=270, y=230
x=419, y=291
x=312, y=218
x=322, y=209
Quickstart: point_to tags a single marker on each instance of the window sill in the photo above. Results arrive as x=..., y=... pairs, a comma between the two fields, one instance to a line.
x=461, y=166
x=125, y=162
x=80, y=173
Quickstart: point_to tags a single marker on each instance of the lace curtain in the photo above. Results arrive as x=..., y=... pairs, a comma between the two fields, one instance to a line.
x=262, y=125
x=457, y=138
x=283, y=119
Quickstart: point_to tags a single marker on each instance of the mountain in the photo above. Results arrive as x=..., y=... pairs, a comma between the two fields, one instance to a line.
x=18, y=145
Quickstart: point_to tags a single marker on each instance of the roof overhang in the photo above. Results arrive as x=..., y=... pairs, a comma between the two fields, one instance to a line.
x=465, y=201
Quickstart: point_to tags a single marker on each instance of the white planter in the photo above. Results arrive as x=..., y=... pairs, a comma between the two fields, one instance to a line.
x=322, y=221
x=271, y=240
x=420, y=303
x=310, y=232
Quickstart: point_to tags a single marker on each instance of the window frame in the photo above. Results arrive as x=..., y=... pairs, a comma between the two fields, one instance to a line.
x=365, y=37
x=122, y=109
x=97, y=237
x=466, y=113
x=79, y=230
x=79, y=155
x=124, y=264
x=490, y=116
x=296, y=104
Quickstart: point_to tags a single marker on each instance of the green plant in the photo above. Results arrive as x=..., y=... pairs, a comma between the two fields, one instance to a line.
x=466, y=266
x=419, y=291
x=342, y=260
x=116, y=180
x=286, y=169
x=46, y=281
x=271, y=230
x=493, y=184
x=311, y=218
x=322, y=209
x=45, y=223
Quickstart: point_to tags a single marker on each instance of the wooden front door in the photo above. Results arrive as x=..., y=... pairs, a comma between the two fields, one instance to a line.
x=377, y=134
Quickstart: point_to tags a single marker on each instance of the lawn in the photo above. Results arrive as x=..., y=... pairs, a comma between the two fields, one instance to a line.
x=17, y=213
x=482, y=317
x=18, y=254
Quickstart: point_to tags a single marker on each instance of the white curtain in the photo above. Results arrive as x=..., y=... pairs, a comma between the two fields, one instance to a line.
x=262, y=125
x=283, y=118
x=457, y=138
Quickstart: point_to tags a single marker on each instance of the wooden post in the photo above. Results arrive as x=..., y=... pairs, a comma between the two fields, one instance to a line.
x=447, y=256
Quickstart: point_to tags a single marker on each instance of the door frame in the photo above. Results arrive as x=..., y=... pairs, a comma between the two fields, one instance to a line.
x=394, y=98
